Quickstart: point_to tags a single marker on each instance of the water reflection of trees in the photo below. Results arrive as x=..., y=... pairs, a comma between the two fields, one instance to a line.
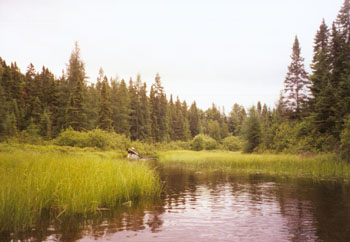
x=312, y=210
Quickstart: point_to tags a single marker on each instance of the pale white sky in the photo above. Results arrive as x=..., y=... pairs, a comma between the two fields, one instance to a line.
x=221, y=51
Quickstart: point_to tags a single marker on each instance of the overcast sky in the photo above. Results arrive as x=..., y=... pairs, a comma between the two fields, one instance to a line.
x=219, y=51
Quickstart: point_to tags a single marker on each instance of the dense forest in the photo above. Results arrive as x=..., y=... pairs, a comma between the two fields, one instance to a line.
x=312, y=114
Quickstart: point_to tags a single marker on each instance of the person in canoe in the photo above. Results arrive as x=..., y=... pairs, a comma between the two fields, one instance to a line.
x=132, y=154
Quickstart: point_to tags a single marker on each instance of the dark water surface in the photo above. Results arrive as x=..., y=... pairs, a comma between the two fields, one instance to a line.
x=213, y=206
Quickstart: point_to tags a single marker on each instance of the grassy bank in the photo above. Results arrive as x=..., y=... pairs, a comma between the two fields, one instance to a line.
x=66, y=181
x=316, y=167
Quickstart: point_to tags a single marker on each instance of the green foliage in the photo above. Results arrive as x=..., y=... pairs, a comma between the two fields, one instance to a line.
x=94, y=138
x=232, y=143
x=203, y=142
x=236, y=118
x=251, y=131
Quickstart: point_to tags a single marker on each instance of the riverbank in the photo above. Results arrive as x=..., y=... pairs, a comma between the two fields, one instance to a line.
x=64, y=181
x=318, y=167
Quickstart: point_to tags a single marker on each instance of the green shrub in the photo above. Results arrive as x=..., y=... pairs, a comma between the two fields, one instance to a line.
x=202, y=141
x=198, y=142
x=94, y=138
x=232, y=143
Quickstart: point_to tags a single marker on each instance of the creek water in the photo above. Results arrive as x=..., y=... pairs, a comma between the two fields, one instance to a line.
x=216, y=206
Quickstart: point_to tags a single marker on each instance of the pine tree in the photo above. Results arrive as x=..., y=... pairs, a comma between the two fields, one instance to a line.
x=296, y=84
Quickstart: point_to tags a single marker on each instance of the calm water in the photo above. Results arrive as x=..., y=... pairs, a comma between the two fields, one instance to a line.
x=202, y=206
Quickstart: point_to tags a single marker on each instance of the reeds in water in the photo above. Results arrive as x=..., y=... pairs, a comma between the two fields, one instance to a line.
x=37, y=181
x=327, y=167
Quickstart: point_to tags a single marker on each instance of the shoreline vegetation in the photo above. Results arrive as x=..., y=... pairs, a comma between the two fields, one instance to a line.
x=317, y=167
x=62, y=182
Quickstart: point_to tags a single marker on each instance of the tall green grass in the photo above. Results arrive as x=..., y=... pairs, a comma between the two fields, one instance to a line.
x=319, y=167
x=41, y=180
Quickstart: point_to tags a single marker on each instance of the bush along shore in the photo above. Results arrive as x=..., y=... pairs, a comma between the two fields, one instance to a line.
x=60, y=181
x=318, y=167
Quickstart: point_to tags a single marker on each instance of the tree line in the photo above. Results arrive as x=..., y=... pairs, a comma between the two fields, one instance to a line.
x=312, y=113
x=39, y=103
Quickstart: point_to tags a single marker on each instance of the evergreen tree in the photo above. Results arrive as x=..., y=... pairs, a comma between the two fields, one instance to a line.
x=63, y=101
x=45, y=125
x=186, y=127
x=145, y=119
x=120, y=108
x=236, y=118
x=11, y=125
x=92, y=102
x=296, y=84
x=194, y=120
x=154, y=104
x=159, y=117
x=32, y=129
x=37, y=110
x=323, y=102
x=342, y=63
x=172, y=122
x=105, y=113
x=76, y=83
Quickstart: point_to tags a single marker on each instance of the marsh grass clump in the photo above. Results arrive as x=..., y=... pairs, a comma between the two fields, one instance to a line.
x=327, y=167
x=35, y=182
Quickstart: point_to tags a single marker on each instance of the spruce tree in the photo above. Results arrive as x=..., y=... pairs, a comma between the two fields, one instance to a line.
x=194, y=120
x=323, y=100
x=296, y=84
x=159, y=113
x=76, y=83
